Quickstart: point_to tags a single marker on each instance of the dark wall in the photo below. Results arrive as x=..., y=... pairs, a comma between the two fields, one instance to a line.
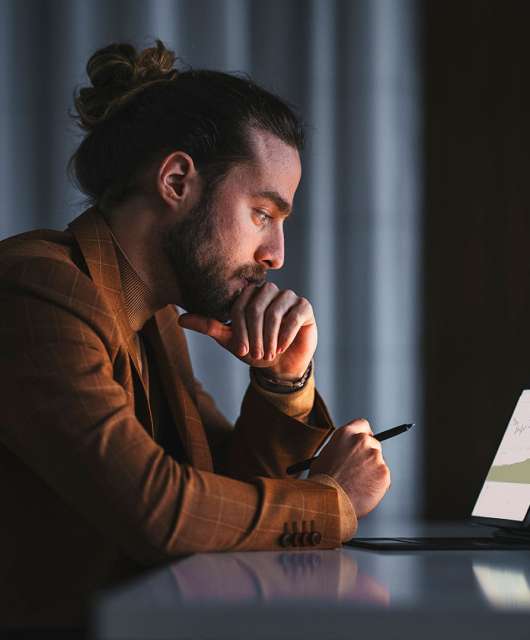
x=477, y=239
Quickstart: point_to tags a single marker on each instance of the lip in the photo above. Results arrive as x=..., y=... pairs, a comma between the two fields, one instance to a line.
x=242, y=286
x=246, y=282
x=258, y=283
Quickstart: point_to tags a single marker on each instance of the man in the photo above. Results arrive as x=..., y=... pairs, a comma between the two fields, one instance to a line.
x=113, y=457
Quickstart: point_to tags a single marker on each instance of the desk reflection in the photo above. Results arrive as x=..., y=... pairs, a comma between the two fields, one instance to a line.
x=322, y=594
x=504, y=585
x=265, y=576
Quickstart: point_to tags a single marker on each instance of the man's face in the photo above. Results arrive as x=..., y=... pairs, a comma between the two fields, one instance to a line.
x=235, y=235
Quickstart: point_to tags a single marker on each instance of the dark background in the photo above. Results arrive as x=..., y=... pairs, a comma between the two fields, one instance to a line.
x=476, y=239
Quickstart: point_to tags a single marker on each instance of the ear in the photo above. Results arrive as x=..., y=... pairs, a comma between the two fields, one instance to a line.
x=177, y=178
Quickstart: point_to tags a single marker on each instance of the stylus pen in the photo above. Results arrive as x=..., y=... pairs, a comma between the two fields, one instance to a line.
x=384, y=435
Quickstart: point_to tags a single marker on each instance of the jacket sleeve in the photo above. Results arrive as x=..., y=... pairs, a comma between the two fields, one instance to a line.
x=270, y=434
x=66, y=416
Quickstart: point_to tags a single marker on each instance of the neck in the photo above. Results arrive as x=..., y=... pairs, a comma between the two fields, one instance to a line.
x=137, y=228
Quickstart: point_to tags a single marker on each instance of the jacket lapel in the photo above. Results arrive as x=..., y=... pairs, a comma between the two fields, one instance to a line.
x=169, y=344
x=163, y=331
x=97, y=247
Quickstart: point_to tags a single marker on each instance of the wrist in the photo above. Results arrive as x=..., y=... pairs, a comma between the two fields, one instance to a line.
x=282, y=384
x=281, y=375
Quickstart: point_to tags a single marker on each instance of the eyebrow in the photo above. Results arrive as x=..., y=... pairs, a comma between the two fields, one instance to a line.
x=280, y=203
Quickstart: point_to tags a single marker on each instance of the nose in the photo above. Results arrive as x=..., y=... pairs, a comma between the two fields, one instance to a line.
x=270, y=253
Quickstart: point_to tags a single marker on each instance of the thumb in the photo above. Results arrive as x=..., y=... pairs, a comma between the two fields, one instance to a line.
x=207, y=326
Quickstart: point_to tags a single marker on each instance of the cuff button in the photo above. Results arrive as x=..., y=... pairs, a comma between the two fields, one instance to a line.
x=306, y=539
x=315, y=537
x=286, y=539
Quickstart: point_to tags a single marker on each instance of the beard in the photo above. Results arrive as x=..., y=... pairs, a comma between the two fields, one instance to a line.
x=193, y=250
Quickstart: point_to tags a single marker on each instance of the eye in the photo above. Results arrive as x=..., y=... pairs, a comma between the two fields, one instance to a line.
x=263, y=216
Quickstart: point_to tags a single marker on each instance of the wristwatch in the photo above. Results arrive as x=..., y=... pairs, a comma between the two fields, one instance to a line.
x=282, y=386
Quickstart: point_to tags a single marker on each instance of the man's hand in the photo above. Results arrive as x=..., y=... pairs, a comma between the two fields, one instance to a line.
x=353, y=457
x=271, y=329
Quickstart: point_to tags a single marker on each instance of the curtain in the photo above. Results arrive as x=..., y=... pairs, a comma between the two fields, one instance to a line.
x=353, y=244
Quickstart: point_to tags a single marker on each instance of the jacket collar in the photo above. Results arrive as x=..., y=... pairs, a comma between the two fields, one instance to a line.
x=97, y=246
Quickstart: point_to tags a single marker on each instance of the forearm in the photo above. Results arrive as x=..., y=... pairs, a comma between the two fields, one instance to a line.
x=266, y=441
x=299, y=405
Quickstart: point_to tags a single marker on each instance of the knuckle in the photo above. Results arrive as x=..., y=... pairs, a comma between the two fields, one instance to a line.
x=297, y=315
x=361, y=441
x=359, y=425
x=274, y=312
x=253, y=312
x=361, y=422
x=349, y=429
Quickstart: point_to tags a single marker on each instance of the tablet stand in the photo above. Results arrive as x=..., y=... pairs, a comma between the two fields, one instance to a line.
x=508, y=534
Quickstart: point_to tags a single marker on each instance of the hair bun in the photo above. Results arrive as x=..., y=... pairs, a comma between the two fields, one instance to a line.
x=117, y=72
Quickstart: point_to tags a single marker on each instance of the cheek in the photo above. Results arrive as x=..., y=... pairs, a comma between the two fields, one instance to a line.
x=235, y=241
x=225, y=252
x=236, y=236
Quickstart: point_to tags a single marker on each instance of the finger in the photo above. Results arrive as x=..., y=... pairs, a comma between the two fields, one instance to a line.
x=274, y=314
x=254, y=312
x=298, y=316
x=239, y=325
x=366, y=442
x=359, y=425
x=207, y=326
x=375, y=446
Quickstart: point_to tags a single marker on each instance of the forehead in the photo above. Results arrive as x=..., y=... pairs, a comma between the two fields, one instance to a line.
x=275, y=166
x=272, y=154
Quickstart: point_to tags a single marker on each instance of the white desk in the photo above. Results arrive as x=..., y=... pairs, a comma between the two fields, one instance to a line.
x=344, y=593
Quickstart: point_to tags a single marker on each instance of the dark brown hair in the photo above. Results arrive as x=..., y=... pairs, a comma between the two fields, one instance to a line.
x=140, y=108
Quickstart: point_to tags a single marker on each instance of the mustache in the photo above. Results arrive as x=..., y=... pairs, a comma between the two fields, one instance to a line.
x=259, y=282
x=256, y=278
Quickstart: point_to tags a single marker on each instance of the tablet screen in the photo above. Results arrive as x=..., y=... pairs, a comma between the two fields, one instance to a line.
x=506, y=491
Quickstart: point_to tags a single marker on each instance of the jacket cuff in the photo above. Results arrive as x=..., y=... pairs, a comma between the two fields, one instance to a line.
x=297, y=404
x=348, y=517
x=266, y=441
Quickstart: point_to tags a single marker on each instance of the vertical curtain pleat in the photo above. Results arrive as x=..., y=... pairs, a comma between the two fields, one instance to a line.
x=395, y=386
x=320, y=202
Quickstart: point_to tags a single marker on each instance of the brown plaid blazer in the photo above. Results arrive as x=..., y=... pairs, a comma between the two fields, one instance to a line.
x=87, y=496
